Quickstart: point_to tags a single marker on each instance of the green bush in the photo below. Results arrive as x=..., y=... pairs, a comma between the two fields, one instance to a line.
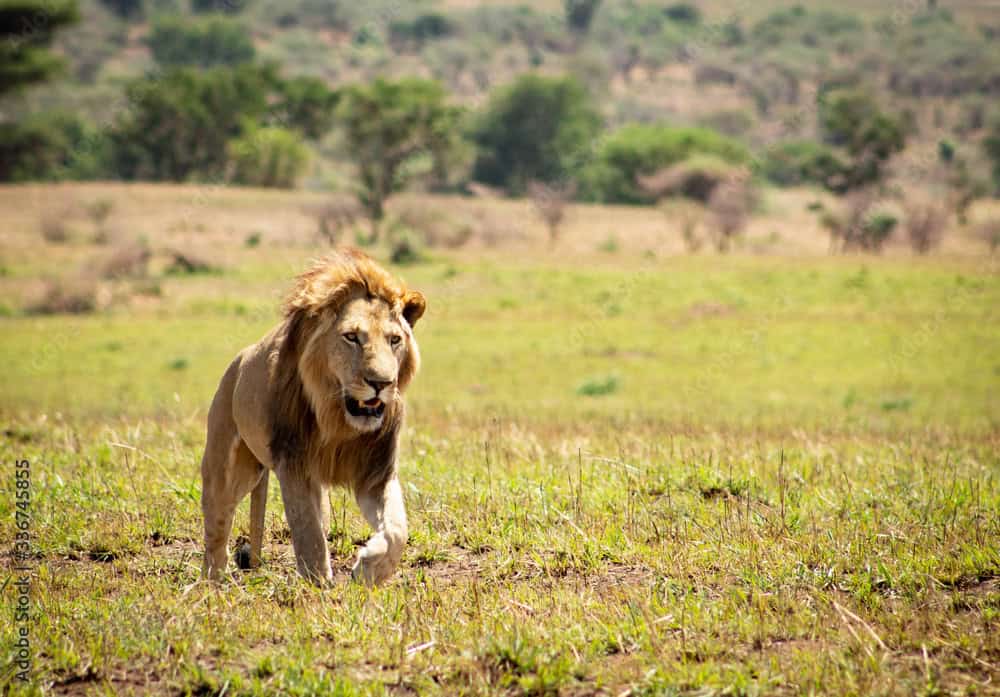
x=933, y=55
x=683, y=12
x=580, y=13
x=818, y=29
x=537, y=129
x=204, y=42
x=268, y=157
x=415, y=32
x=51, y=146
x=853, y=120
x=181, y=122
x=305, y=104
x=27, y=28
x=229, y=7
x=641, y=150
x=804, y=162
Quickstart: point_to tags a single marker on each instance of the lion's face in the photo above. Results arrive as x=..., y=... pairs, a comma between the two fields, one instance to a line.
x=367, y=344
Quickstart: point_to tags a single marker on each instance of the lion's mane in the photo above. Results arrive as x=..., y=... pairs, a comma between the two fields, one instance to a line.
x=307, y=425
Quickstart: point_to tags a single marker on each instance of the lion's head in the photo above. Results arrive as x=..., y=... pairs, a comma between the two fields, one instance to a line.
x=347, y=356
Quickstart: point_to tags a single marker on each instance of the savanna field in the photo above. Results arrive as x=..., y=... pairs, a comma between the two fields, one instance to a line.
x=629, y=470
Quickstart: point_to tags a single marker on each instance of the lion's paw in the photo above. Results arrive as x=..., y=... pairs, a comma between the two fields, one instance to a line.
x=375, y=564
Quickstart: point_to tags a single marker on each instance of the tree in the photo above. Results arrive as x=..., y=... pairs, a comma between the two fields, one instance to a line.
x=306, y=104
x=580, y=13
x=388, y=126
x=537, y=129
x=205, y=42
x=851, y=119
x=51, y=146
x=180, y=123
x=27, y=28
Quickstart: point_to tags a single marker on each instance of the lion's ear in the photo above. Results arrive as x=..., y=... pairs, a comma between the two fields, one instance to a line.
x=414, y=305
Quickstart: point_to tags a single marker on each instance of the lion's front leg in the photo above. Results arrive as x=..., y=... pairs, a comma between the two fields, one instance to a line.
x=306, y=511
x=384, y=511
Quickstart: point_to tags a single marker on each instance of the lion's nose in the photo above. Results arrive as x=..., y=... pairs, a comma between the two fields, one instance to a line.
x=378, y=385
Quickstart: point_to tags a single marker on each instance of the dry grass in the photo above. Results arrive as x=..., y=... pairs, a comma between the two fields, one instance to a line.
x=660, y=474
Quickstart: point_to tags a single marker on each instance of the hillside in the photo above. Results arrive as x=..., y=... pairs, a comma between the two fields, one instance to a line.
x=751, y=70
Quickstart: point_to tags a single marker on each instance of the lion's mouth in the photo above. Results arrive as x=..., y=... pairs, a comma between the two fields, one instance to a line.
x=372, y=408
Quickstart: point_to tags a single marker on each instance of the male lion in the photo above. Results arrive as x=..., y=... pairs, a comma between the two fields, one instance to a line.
x=319, y=401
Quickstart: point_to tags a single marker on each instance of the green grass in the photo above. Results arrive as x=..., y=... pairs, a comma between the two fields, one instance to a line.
x=683, y=476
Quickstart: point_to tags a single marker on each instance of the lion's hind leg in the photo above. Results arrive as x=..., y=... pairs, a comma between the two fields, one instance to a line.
x=229, y=472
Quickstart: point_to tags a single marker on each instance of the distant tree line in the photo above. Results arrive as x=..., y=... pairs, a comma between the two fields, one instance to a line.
x=211, y=111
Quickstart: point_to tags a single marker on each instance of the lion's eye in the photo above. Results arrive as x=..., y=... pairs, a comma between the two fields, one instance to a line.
x=352, y=337
x=395, y=339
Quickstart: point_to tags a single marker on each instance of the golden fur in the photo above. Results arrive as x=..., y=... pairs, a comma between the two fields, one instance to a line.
x=300, y=402
x=308, y=427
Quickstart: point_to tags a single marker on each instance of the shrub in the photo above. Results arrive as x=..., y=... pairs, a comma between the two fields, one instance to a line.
x=853, y=120
x=315, y=14
x=436, y=228
x=580, y=14
x=72, y=297
x=683, y=12
x=231, y=7
x=537, y=129
x=404, y=251
x=730, y=205
x=53, y=227
x=182, y=121
x=333, y=217
x=861, y=226
x=793, y=163
x=127, y=10
x=305, y=104
x=714, y=74
x=599, y=386
x=641, y=150
x=188, y=264
x=876, y=230
x=414, y=33
x=731, y=122
x=204, y=42
x=933, y=55
x=271, y=157
x=925, y=223
x=51, y=146
x=696, y=177
x=798, y=26
x=128, y=261
x=550, y=202
x=989, y=232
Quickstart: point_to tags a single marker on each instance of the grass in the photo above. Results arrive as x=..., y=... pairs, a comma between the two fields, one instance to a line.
x=624, y=474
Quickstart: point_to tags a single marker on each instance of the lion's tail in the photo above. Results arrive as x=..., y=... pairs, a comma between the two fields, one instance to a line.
x=258, y=506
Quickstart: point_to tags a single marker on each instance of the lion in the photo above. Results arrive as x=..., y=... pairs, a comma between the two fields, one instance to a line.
x=318, y=401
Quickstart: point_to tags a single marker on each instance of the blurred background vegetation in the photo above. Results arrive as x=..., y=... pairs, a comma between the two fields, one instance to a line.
x=613, y=101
